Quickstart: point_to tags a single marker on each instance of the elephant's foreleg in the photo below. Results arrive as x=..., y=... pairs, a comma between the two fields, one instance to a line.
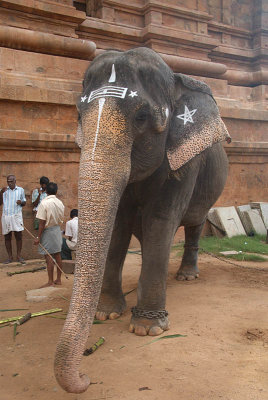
x=112, y=301
x=149, y=317
x=189, y=269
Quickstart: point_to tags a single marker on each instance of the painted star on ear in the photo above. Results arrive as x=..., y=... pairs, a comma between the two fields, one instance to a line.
x=83, y=99
x=187, y=116
x=133, y=94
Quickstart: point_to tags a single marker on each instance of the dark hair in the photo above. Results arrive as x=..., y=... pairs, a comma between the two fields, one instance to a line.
x=44, y=180
x=74, y=213
x=52, y=188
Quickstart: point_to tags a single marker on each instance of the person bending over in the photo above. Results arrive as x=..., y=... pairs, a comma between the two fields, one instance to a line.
x=50, y=215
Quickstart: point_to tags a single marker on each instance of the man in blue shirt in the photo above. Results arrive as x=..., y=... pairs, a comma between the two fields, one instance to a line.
x=13, y=199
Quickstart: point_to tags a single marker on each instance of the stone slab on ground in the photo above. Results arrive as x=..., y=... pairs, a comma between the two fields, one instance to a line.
x=216, y=228
x=227, y=219
x=68, y=266
x=243, y=208
x=253, y=222
x=256, y=204
x=264, y=213
x=240, y=211
x=229, y=252
x=43, y=294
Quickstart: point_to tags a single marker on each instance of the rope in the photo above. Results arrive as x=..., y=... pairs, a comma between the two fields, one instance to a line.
x=232, y=263
x=218, y=258
x=42, y=247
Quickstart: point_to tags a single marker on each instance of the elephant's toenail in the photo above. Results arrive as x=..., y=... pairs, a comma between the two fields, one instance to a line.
x=114, y=315
x=190, y=277
x=155, y=331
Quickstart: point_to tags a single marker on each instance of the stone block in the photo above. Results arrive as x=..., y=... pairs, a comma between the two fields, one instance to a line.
x=229, y=252
x=253, y=222
x=107, y=13
x=226, y=219
x=241, y=210
x=68, y=266
x=216, y=228
x=153, y=17
x=264, y=213
x=43, y=294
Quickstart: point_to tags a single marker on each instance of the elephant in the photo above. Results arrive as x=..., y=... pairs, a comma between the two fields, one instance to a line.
x=151, y=160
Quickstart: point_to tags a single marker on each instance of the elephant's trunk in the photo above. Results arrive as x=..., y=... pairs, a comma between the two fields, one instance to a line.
x=101, y=183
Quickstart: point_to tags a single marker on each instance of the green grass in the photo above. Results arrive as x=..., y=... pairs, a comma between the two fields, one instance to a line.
x=250, y=248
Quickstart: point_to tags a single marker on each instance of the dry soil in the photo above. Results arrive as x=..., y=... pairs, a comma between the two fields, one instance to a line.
x=223, y=355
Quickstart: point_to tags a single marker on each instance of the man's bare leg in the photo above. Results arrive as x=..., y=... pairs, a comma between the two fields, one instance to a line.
x=50, y=270
x=57, y=257
x=18, y=237
x=8, y=245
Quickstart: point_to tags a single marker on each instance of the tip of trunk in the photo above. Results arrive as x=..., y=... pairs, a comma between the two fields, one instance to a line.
x=76, y=383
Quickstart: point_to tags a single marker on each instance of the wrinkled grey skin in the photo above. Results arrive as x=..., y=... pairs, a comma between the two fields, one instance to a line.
x=126, y=185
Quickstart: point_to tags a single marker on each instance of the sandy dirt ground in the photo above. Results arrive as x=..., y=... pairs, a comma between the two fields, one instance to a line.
x=224, y=354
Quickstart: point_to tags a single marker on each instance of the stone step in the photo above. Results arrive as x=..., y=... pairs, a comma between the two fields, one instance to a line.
x=68, y=266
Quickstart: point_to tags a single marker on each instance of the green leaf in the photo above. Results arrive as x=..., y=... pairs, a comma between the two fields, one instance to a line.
x=64, y=298
x=165, y=337
x=132, y=290
x=15, y=332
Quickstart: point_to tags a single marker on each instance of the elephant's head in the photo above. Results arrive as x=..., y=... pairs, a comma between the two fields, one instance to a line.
x=134, y=114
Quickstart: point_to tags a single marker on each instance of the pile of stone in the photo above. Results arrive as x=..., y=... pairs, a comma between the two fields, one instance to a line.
x=247, y=219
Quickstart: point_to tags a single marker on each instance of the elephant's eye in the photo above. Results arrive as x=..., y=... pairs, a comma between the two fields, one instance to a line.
x=141, y=115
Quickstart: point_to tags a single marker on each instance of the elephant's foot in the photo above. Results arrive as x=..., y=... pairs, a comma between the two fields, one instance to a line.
x=110, y=307
x=151, y=327
x=156, y=324
x=187, y=273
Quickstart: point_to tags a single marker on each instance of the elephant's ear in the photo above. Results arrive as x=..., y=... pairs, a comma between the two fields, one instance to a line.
x=195, y=124
x=79, y=133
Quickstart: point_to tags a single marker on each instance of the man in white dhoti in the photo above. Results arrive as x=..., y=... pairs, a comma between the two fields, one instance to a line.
x=13, y=199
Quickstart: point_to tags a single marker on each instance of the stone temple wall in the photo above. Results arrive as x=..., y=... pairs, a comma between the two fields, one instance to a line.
x=46, y=46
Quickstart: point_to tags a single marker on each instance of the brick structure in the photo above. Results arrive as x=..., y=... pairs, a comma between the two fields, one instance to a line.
x=46, y=45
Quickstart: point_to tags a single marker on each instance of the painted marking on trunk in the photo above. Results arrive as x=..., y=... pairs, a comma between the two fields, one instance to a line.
x=187, y=116
x=107, y=91
x=113, y=75
x=101, y=104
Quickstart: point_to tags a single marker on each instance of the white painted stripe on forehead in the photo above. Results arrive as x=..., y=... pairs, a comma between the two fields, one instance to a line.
x=113, y=75
x=101, y=104
x=107, y=91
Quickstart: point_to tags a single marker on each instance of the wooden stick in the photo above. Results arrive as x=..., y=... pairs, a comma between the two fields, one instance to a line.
x=42, y=247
